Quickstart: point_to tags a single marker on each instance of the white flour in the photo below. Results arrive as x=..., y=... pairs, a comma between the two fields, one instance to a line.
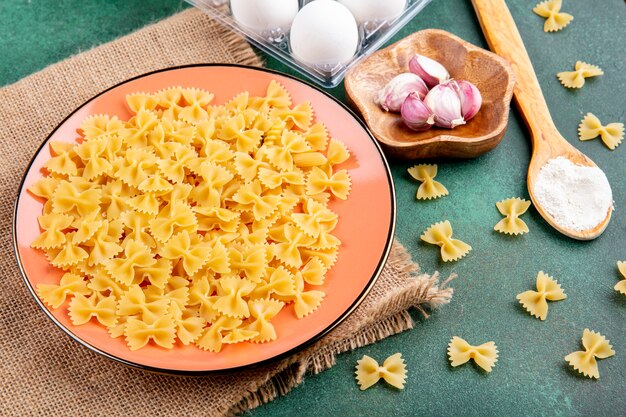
x=578, y=197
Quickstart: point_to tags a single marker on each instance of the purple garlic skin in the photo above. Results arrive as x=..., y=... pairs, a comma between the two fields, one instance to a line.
x=444, y=101
x=416, y=114
x=396, y=91
x=471, y=99
x=429, y=70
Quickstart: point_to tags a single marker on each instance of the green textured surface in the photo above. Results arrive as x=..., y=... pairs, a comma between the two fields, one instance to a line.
x=530, y=377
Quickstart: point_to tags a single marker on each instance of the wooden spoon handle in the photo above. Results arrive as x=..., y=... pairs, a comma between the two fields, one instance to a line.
x=504, y=39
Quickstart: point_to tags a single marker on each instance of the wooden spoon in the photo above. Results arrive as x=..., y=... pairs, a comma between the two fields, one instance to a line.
x=504, y=39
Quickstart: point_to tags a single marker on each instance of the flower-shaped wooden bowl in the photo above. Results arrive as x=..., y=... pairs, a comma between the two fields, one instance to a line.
x=490, y=73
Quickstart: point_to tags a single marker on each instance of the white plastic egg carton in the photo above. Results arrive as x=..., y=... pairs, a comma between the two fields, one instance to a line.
x=372, y=35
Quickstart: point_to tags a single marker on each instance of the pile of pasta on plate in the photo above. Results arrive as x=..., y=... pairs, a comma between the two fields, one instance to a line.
x=192, y=222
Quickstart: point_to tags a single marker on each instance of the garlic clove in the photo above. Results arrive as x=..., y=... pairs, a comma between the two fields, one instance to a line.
x=429, y=70
x=444, y=101
x=471, y=99
x=416, y=114
x=396, y=91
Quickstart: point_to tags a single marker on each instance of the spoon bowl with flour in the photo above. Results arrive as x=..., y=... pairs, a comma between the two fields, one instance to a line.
x=567, y=188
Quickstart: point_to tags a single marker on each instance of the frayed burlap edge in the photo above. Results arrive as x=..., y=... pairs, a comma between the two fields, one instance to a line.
x=424, y=293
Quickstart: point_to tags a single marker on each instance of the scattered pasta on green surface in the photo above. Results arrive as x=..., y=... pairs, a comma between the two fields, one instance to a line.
x=512, y=208
x=460, y=352
x=555, y=19
x=576, y=78
x=429, y=189
x=393, y=371
x=584, y=361
x=536, y=302
x=440, y=234
x=590, y=127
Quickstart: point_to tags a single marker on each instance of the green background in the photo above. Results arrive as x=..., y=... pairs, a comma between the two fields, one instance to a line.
x=531, y=377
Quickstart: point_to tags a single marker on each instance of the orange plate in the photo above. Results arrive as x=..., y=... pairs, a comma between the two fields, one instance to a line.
x=365, y=228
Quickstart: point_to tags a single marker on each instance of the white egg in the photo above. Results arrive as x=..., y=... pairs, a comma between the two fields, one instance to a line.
x=264, y=15
x=324, y=32
x=371, y=10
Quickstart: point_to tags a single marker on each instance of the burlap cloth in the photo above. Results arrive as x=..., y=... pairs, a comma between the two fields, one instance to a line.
x=43, y=371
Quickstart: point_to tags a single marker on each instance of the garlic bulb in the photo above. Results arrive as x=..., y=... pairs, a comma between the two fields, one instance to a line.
x=396, y=91
x=471, y=99
x=444, y=101
x=429, y=70
x=416, y=114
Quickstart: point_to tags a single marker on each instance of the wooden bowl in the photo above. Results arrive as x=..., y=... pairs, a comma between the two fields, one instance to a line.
x=490, y=73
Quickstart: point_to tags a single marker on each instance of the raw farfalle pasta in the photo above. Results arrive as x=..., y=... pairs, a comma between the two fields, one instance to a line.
x=512, y=208
x=591, y=127
x=429, y=187
x=576, y=78
x=555, y=19
x=621, y=285
x=460, y=352
x=536, y=302
x=441, y=234
x=393, y=371
x=584, y=361
x=192, y=222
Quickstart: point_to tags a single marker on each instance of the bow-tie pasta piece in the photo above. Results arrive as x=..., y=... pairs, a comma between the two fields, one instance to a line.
x=337, y=153
x=440, y=234
x=555, y=19
x=596, y=346
x=138, y=333
x=512, y=208
x=305, y=302
x=301, y=116
x=276, y=96
x=314, y=271
x=55, y=295
x=188, y=248
x=53, y=225
x=576, y=78
x=188, y=328
x=82, y=309
x=125, y=268
x=262, y=311
x=231, y=293
x=135, y=303
x=75, y=198
x=92, y=155
x=44, y=187
x=100, y=124
x=536, y=302
x=591, y=127
x=86, y=227
x=213, y=337
x=193, y=222
x=197, y=100
x=289, y=144
x=70, y=254
x=245, y=140
x=63, y=162
x=621, y=285
x=320, y=180
x=141, y=101
x=277, y=283
x=105, y=243
x=429, y=188
x=317, y=137
x=460, y=352
x=393, y=371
